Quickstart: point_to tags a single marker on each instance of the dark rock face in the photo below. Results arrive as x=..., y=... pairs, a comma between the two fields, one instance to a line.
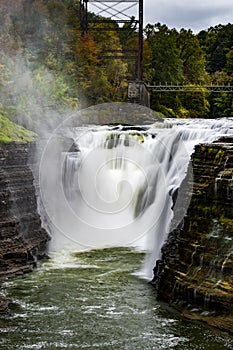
x=22, y=239
x=195, y=273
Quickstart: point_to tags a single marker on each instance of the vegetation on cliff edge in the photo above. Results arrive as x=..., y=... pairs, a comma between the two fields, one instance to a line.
x=49, y=68
x=10, y=131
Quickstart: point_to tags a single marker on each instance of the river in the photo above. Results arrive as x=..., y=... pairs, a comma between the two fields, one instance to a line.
x=95, y=300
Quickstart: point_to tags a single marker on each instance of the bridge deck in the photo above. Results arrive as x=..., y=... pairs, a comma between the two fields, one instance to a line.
x=187, y=88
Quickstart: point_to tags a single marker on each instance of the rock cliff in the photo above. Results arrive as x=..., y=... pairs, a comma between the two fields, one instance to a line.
x=195, y=273
x=22, y=239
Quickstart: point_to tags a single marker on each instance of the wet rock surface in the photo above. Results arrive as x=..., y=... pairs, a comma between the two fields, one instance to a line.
x=22, y=239
x=195, y=273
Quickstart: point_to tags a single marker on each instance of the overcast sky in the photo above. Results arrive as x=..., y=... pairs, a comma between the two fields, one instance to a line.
x=189, y=14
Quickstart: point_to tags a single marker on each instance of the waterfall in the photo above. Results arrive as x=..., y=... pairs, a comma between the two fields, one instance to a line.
x=114, y=186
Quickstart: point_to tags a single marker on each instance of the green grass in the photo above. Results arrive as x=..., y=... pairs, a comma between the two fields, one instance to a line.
x=10, y=132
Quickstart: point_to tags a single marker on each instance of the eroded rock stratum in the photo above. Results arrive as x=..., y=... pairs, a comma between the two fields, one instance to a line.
x=22, y=239
x=195, y=273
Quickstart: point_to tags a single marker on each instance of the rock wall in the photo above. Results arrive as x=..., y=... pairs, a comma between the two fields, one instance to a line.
x=195, y=273
x=22, y=239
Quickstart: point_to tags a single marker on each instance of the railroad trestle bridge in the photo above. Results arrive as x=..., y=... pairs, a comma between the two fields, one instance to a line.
x=119, y=11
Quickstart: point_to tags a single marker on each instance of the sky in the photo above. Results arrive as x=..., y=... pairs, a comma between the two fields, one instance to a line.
x=189, y=14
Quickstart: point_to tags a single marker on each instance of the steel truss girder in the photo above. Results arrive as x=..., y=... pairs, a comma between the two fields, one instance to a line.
x=113, y=8
x=116, y=11
x=119, y=1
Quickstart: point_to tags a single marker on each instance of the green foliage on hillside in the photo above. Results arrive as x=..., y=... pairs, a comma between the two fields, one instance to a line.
x=184, y=58
x=48, y=68
x=217, y=45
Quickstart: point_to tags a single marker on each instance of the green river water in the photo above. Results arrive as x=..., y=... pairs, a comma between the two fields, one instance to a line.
x=93, y=300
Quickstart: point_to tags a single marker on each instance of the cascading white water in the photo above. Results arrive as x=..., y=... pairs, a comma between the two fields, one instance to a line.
x=115, y=188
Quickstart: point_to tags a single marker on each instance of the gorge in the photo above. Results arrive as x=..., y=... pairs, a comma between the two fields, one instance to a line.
x=109, y=182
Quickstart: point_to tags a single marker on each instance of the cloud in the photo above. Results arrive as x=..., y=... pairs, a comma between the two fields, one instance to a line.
x=195, y=14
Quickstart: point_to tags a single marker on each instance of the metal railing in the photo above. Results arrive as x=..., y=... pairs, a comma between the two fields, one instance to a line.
x=165, y=87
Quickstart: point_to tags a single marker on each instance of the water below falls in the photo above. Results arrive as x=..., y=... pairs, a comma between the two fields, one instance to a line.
x=93, y=300
x=107, y=201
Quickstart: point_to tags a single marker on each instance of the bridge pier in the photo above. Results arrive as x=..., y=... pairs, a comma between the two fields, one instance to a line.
x=138, y=93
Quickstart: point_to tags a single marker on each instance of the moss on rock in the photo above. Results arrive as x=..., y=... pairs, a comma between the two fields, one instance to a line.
x=10, y=131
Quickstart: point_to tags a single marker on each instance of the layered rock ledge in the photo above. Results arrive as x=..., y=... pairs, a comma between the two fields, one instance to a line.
x=22, y=239
x=195, y=273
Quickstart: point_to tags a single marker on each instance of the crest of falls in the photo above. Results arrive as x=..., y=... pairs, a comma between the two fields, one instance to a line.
x=114, y=186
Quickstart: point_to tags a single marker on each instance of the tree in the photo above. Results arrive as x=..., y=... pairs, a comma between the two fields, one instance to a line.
x=196, y=103
x=216, y=43
x=166, y=61
x=192, y=57
x=110, y=57
x=221, y=104
x=177, y=58
x=229, y=62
